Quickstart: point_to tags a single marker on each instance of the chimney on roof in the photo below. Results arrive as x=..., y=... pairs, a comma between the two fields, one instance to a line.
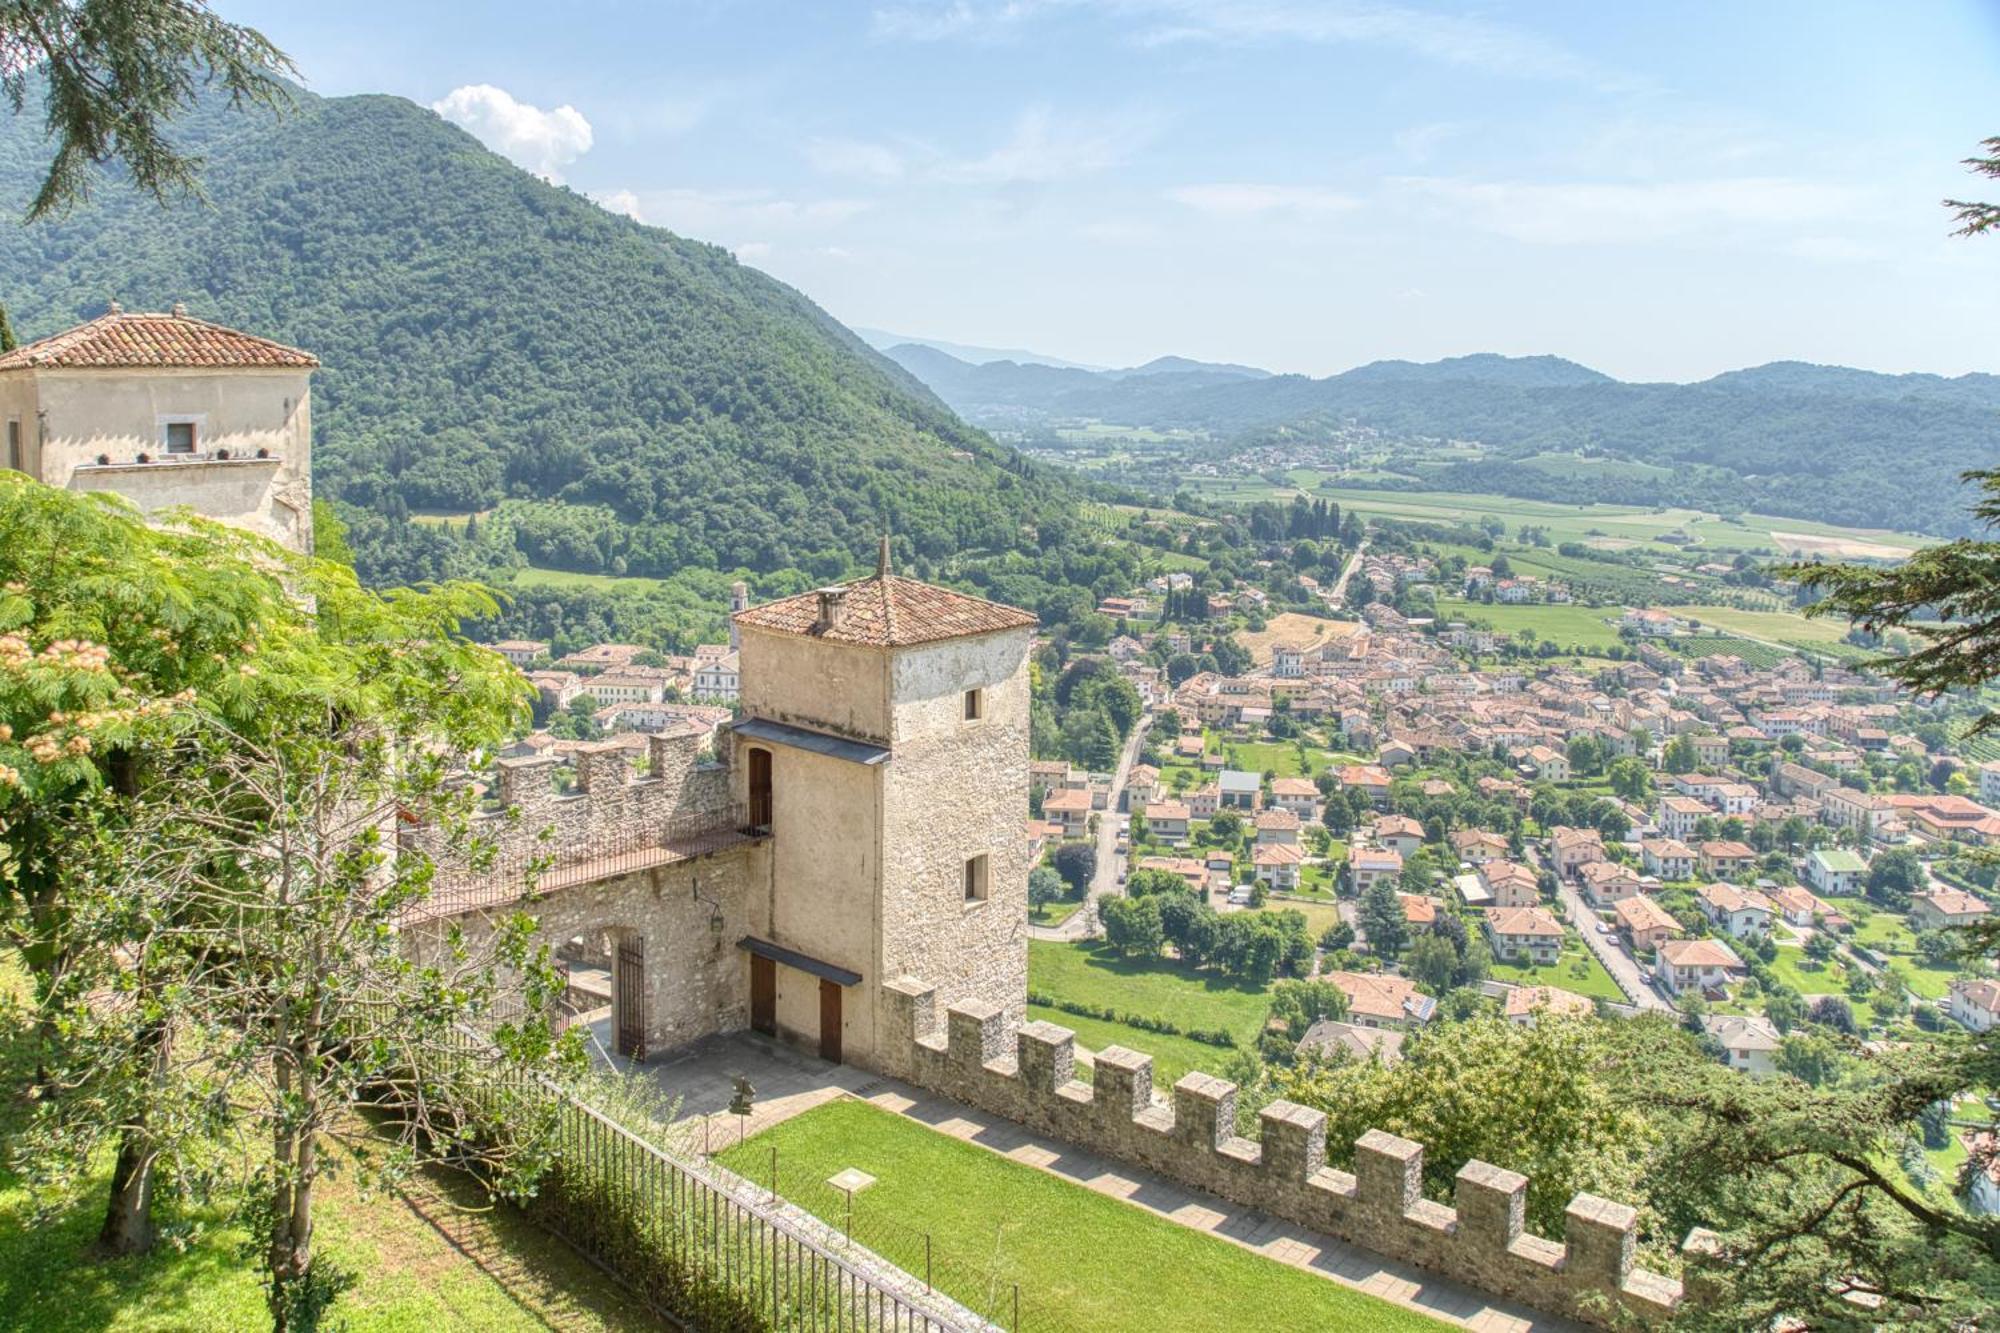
x=115, y=308
x=180, y=309
x=882, y=559
x=831, y=603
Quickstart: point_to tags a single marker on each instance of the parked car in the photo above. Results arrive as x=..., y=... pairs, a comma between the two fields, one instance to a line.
x=1240, y=896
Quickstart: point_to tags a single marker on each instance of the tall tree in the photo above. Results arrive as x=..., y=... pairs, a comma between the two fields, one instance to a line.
x=113, y=74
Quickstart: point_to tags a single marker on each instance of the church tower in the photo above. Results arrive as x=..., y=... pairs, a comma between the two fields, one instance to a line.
x=884, y=743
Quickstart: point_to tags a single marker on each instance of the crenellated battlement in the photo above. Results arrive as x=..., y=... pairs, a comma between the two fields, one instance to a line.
x=1481, y=1238
x=683, y=787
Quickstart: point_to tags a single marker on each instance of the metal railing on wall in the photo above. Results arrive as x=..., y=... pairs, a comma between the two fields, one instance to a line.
x=697, y=1243
x=464, y=883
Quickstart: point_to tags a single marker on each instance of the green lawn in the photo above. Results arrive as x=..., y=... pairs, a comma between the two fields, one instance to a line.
x=1809, y=978
x=1775, y=625
x=1279, y=757
x=1082, y=1260
x=1172, y=1056
x=1567, y=626
x=565, y=578
x=1088, y=974
x=1055, y=913
x=1578, y=970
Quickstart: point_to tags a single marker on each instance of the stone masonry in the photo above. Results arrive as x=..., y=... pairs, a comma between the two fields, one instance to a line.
x=1027, y=1075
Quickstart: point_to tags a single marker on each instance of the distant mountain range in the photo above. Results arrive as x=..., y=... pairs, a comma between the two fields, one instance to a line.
x=1823, y=442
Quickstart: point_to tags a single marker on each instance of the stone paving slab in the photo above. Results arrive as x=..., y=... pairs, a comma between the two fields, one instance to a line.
x=790, y=1083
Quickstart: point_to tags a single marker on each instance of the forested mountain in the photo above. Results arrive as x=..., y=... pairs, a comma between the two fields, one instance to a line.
x=488, y=337
x=1822, y=442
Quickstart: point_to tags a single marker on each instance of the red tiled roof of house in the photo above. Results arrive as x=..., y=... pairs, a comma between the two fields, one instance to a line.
x=120, y=338
x=889, y=611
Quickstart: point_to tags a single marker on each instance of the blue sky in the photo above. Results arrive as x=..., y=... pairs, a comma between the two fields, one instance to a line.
x=1660, y=191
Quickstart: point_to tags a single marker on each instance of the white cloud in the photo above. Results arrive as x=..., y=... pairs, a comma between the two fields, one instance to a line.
x=854, y=157
x=752, y=250
x=623, y=201
x=1043, y=148
x=544, y=142
x=1589, y=213
x=1240, y=200
x=953, y=18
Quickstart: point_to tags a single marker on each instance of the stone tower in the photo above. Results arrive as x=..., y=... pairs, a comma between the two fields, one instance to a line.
x=884, y=743
x=739, y=600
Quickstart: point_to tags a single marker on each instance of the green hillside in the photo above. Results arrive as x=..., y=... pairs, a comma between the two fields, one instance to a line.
x=489, y=340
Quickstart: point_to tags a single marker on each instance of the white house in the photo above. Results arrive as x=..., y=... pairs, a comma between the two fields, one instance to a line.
x=1975, y=1002
x=1748, y=1043
x=1703, y=964
x=1835, y=870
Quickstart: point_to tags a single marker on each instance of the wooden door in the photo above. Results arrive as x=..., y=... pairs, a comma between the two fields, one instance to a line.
x=763, y=995
x=829, y=1021
x=760, y=790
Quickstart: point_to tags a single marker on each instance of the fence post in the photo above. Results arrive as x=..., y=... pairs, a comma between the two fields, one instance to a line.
x=774, y=1173
x=927, y=1261
x=1017, y=1307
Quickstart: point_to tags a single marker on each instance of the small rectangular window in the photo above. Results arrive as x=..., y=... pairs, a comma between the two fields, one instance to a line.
x=975, y=879
x=180, y=437
x=975, y=705
x=14, y=446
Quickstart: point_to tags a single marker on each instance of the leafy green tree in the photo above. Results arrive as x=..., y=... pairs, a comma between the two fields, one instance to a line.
x=1133, y=926
x=1076, y=862
x=1383, y=920
x=1680, y=756
x=1300, y=1004
x=1631, y=780
x=1045, y=886
x=1893, y=876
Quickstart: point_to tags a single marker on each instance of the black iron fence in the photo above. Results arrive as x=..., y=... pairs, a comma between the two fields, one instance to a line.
x=706, y=1248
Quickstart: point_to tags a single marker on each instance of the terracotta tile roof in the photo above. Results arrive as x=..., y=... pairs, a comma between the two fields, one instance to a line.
x=122, y=339
x=889, y=611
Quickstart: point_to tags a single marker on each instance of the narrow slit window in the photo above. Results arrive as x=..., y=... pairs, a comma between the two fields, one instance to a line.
x=975, y=705
x=14, y=459
x=975, y=879
x=180, y=437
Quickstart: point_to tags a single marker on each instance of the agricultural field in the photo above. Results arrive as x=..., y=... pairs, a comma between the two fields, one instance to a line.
x=1753, y=533
x=531, y=577
x=1294, y=630
x=1580, y=627
x=1717, y=645
x=1774, y=626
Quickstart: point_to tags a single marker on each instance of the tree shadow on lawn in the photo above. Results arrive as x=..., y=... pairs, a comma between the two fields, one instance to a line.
x=1102, y=957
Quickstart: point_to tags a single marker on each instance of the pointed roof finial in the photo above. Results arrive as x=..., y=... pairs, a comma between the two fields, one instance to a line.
x=180, y=309
x=882, y=559
x=115, y=309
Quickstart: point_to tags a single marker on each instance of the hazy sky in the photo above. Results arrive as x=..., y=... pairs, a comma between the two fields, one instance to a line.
x=1662, y=191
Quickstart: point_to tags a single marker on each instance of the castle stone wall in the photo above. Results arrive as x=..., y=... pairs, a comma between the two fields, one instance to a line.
x=1026, y=1075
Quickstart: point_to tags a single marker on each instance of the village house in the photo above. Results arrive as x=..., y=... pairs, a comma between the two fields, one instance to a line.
x=1705, y=965
x=1547, y=764
x=1835, y=871
x=1277, y=864
x=1975, y=1002
x=1526, y=1003
x=1475, y=847
x=1524, y=934
x=1368, y=779
x=1187, y=867
x=1369, y=864
x=1419, y=910
x=1669, y=858
x=1679, y=815
x=1277, y=826
x=1742, y=913
x=168, y=410
x=1722, y=859
x=1570, y=849
x=718, y=679
x=1858, y=811
x=1646, y=924
x=1167, y=821
x=602, y=657
x=1608, y=883
x=1298, y=795
x=1400, y=832
x=1945, y=906
x=522, y=653
x=1376, y=1000
x=1795, y=904
x=1749, y=1043
x=1332, y=1039
x=1070, y=809
x=1509, y=884
x=1205, y=802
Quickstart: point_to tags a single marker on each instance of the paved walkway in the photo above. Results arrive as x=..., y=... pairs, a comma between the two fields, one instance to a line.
x=789, y=1082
